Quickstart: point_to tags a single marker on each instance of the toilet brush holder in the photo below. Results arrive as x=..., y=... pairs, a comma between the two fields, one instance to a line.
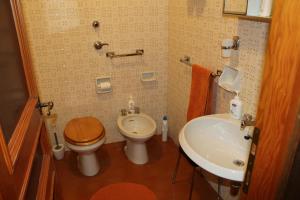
x=58, y=151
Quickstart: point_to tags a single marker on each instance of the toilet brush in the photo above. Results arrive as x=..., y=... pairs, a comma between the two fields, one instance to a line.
x=56, y=141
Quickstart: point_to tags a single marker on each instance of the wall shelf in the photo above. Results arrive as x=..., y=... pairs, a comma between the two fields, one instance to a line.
x=252, y=18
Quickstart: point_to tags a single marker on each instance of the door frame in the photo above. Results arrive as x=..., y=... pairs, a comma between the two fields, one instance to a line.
x=278, y=105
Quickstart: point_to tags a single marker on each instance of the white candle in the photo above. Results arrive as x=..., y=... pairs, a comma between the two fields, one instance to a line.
x=253, y=7
x=266, y=8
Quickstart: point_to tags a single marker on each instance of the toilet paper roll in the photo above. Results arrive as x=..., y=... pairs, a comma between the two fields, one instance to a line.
x=105, y=86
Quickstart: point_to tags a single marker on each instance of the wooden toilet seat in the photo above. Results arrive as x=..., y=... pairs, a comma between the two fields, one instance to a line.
x=84, y=131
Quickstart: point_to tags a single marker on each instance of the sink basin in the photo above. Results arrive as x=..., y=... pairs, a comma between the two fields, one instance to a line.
x=216, y=144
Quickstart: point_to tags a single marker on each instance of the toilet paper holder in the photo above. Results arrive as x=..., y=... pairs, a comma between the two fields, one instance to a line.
x=103, y=84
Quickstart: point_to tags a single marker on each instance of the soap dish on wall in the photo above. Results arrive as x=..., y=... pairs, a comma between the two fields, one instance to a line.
x=230, y=79
x=148, y=76
x=103, y=84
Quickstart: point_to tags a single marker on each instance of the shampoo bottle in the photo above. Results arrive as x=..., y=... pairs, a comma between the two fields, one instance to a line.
x=236, y=107
x=164, y=129
x=266, y=8
x=131, y=105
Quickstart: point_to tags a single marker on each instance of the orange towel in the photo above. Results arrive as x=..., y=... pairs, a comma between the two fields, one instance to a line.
x=200, y=96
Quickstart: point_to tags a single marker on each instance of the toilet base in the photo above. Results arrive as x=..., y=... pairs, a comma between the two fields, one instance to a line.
x=87, y=160
x=88, y=163
x=136, y=152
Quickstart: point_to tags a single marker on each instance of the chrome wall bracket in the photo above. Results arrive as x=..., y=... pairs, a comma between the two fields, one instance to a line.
x=236, y=42
x=187, y=60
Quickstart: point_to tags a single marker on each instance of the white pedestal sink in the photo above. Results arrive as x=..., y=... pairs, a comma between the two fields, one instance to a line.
x=216, y=144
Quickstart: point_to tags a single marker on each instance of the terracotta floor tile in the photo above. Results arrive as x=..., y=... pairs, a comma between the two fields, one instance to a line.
x=156, y=174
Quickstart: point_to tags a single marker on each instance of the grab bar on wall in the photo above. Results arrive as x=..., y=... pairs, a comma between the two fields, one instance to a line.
x=187, y=60
x=111, y=55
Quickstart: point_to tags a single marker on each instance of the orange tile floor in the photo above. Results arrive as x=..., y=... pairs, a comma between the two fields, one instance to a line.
x=156, y=174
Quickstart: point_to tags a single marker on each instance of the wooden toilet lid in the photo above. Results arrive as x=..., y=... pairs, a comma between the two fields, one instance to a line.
x=84, y=131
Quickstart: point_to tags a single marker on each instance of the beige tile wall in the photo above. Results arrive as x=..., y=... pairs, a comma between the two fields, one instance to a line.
x=196, y=29
x=66, y=64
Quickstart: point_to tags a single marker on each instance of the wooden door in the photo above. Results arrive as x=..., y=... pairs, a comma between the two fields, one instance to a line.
x=26, y=166
x=279, y=103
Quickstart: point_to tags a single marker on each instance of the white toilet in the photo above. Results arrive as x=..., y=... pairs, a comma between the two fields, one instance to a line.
x=84, y=136
x=137, y=129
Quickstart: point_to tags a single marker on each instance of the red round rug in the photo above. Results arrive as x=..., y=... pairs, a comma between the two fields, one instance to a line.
x=124, y=191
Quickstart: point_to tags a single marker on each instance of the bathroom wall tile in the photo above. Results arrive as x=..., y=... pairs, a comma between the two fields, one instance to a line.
x=66, y=64
x=196, y=29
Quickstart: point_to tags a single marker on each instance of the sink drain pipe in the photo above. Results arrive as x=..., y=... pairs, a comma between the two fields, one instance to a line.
x=220, y=181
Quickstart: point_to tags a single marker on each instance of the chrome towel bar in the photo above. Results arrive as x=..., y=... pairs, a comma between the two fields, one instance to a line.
x=187, y=60
x=111, y=55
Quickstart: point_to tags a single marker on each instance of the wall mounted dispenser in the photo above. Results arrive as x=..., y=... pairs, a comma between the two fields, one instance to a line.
x=230, y=79
x=228, y=45
x=103, y=85
x=148, y=76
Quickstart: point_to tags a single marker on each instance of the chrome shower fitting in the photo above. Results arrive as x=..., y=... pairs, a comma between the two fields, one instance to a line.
x=96, y=24
x=98, y=45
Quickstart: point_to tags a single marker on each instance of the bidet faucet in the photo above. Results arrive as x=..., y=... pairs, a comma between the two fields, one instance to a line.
x=247, y=120
x=124, y=112
x=135, y=110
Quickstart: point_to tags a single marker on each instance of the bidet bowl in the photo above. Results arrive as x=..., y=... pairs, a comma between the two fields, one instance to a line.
x=138, y=127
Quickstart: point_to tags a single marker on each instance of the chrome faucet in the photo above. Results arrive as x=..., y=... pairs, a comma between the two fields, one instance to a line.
x=247, y=120
x=124, y=112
